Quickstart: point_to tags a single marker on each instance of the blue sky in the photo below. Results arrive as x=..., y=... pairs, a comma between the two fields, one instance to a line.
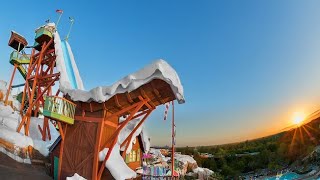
x=246, y=66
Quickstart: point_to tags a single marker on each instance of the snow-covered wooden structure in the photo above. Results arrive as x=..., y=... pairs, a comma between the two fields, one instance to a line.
x=97, y=124
x=97, y=127
x=134, y=158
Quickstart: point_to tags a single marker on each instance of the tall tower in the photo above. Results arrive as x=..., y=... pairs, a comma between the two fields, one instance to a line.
x=40, y=77
x=18, y=58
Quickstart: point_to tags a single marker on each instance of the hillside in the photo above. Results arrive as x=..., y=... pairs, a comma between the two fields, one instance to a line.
x=265, y=155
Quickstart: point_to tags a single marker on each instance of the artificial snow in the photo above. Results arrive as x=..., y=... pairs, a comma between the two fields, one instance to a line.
x=3, y=86
x=145, y=140
x=61, y=60
x=9, y=122
x=157, y=153
x=75, y=70
x=3, y=89
x=15, y=138
x=159, y=69
x=116, y=165
x=15, y=157
x=76, y=176
x=184, y=158
x=125, y=132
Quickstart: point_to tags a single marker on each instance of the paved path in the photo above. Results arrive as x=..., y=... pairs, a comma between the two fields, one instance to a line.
x=12, y=170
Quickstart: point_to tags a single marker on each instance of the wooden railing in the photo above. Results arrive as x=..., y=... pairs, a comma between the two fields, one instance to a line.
x=59, y=109
x=15, y=55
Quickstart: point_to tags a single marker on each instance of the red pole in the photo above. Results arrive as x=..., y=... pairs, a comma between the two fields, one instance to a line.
x=10, y=84
x=172, y=151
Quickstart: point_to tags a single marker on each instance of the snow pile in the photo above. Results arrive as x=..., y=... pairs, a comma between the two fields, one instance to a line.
x=15, y=156
x=157, y=153
x=15, y=138
x=3, y=91
x=76, y=177
x=185, y=158
x=159, y=69
x=8, y=125
x=6, y=110
x=125, y=132
x=49, y=26
x=203, y=173
x=189, y=164
x=9, y=122
x=116, y=165
x=3, y=85
x=186, y=164
x=145, y=140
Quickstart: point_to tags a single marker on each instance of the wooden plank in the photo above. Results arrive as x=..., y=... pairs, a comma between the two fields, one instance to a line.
x=88, y=119
x=109, y=123
x=61, y=151
x=137, y=108
x=97, y=148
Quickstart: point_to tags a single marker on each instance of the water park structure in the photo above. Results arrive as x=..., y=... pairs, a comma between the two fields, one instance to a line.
x=93, y=131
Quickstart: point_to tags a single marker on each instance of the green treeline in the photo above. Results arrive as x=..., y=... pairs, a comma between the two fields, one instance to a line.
x=269, y=154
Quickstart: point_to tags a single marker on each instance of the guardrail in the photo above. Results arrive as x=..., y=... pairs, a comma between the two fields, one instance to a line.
x=60, y=109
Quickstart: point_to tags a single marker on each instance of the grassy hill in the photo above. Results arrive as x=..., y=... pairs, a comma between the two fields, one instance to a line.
x=269, y=153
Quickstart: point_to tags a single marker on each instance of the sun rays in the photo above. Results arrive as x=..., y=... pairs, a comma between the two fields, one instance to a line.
x=301, y=134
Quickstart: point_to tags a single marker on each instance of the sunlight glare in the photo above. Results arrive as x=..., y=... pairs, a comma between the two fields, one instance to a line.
x=298, y=118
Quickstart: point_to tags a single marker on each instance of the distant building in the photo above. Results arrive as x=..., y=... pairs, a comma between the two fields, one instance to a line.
x=206, y=155
x=247, y=154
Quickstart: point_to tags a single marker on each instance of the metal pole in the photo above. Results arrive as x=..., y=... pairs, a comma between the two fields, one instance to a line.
x=72, y=21
x=59, y=20
x=172, y=154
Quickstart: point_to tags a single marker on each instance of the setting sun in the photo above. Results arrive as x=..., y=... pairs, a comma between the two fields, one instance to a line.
x=298, y=118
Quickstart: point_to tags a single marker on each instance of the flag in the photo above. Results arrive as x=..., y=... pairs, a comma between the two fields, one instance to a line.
x=59, y=11
x=48, y=20
x=166, y=110
x=71, y=19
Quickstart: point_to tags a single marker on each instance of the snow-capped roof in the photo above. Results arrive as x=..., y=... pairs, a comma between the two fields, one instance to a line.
x=159, y=69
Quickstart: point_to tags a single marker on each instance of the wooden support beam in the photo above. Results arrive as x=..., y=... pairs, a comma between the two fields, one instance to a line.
x=119, y=113
x=138, y=115
x=116, y=100
x=109, y=123
x=90, y=107
x=129, y=138
x=95, y=167
x=129, y=98
x=137, y=108
x=61, y=147
x=114, y=135
x=88, y=119
x=50, y=76
x=10, y=84
x=136, y=128
x=157, y=93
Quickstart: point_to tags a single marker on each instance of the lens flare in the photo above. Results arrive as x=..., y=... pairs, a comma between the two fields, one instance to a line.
x=298, y=118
